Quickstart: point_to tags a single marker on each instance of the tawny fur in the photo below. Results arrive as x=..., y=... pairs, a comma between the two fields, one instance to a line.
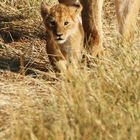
x=91, y=16
x=64, y=34
x=126, y=11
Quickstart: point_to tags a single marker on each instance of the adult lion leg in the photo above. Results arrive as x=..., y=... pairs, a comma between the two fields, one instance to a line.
x=97, y=16
x=92, y=23
x=127, y=12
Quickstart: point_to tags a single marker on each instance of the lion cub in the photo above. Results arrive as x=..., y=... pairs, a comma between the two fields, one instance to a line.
x=65, y=34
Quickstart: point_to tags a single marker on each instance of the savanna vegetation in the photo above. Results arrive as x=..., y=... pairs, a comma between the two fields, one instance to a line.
x=99, y=101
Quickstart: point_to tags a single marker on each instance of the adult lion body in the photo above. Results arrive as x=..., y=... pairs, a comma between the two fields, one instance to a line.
x=126, y=11
x=64, y=34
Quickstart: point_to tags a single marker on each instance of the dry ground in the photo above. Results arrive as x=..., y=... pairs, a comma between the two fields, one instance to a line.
x=100, y=102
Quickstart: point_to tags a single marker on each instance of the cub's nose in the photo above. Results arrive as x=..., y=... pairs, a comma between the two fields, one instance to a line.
x=59, y=34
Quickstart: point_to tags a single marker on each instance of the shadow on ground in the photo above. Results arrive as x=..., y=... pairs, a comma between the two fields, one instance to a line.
x=13, y=65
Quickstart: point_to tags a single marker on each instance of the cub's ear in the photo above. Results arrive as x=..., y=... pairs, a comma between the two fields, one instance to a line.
x=44, y=9
x=76, y=9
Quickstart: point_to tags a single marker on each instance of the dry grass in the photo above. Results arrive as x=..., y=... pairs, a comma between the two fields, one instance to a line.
x=99, y=102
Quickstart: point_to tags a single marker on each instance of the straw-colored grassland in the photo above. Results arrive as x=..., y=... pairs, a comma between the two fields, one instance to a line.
x=100, y=100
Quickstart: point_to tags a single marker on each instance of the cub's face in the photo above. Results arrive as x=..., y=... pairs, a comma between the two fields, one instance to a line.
x=62, y=20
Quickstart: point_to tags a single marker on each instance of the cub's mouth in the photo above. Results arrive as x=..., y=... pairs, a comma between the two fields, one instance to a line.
x=60, y=40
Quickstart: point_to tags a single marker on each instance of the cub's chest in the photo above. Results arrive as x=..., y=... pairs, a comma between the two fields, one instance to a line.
x=66, y=49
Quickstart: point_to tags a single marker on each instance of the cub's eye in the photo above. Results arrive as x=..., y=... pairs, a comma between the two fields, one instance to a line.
x=66, y=23
x=52, y=23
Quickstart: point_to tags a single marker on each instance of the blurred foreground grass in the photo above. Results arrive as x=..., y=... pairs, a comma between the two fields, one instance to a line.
x=99, y=102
